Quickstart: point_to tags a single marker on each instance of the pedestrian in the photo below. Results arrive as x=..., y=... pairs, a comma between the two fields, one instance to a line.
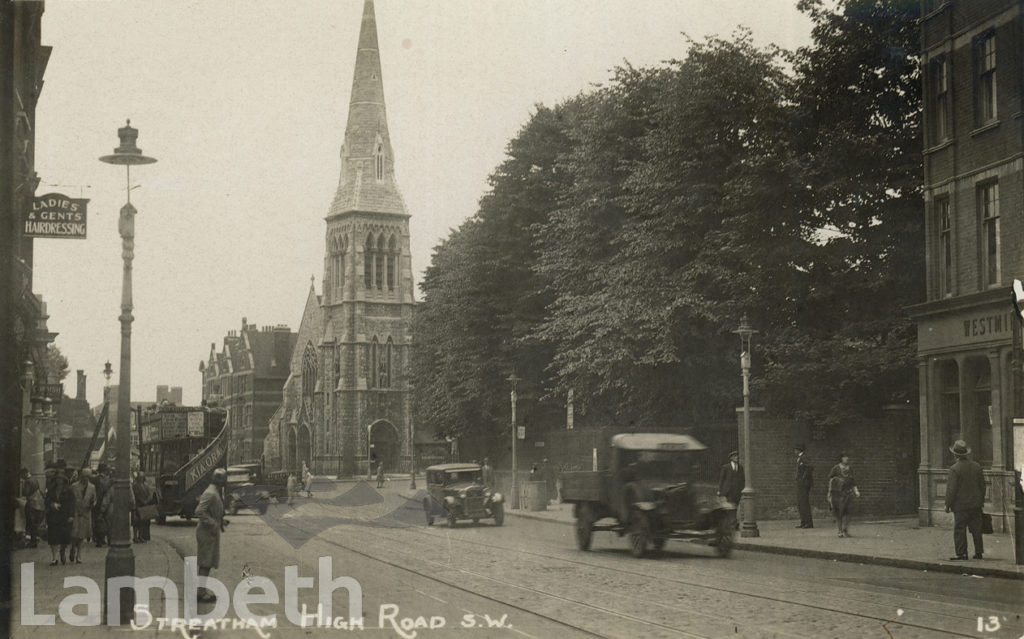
x=965, y=496
x=293, y=486
x=60, y=516
x=34, y=507
x=144, y=496
x=488, y=473
x=104, y=500
x=85, y=499
x=732, y=479
x=842, y=487
x=210, y=513
x=380, y=475
x=307, y=479
x=804, y=481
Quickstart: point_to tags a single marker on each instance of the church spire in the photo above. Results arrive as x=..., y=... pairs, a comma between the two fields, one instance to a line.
x=367, y=182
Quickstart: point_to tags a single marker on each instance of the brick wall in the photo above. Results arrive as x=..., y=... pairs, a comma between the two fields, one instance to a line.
x=883, y=453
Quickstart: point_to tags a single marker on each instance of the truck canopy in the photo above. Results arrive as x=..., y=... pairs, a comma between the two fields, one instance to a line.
x=656, y=441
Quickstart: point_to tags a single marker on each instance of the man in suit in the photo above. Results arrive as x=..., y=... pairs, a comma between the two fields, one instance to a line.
x=731, y=479
x=965, y=496
x=804, y=481
x=210, y=513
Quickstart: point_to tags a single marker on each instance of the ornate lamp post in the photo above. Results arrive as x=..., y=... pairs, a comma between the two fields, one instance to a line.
x=749, y=526
x=120, y=558
x=513, y=379
x=108, y=372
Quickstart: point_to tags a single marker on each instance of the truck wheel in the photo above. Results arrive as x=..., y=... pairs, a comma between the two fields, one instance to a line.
x=584, y=526
x=640, y=535
x=452, y=520
x=723, y=537
x=498, y=510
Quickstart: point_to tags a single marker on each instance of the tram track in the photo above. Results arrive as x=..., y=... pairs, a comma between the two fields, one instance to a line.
x=402, y=548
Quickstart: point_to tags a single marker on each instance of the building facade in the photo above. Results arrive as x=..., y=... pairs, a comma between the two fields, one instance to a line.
x=245, y=376
x=968, y=340
x=347, y=405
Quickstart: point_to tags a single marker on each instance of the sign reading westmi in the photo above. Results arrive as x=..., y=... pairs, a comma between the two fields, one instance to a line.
x=56, y=216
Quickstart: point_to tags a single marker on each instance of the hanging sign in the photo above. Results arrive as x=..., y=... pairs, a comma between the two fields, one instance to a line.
x=56, y=216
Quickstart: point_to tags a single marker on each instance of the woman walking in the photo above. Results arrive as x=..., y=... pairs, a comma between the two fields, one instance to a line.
x=85, y=499
x=841, y=489
x=60, y=516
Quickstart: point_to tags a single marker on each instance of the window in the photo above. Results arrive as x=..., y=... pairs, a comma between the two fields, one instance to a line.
x=988, y=208
x=945, y=248
x=378, y=265
x=940, y=117
x=380, y=162
x=368, y=262
x=392, y=258
x=987, y=78
x=374, y=356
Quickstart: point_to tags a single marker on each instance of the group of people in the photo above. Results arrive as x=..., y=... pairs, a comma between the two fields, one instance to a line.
x=842, y=488
x=73, y=507
x=300, y=482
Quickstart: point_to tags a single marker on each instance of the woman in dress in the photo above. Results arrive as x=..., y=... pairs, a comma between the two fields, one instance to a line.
x=60, y=516
x=85, y=499
x=841, y=489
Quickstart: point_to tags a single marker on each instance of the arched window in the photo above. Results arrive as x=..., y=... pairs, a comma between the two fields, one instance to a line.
x=338, y=267
x=378, y=263
x=309, y=373
x=386, y=367
x=380, y=161
x=374, y=358
x=392, y=259
x=368, y=261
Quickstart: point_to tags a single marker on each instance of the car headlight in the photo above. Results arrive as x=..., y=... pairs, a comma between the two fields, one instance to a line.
x=496, y=498
x=462, y=494
x=449, y=499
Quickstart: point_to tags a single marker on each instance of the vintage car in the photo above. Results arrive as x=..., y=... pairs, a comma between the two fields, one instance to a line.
x=457, y=491
x=241, y=491
x=650, y=494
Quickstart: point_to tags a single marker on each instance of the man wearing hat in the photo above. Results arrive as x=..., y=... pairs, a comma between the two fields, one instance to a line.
x=804, y=481
x=731, y=479
x=210, y=513
x=965, y=497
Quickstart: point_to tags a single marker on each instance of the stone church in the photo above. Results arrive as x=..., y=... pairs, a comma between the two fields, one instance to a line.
x=347, y=405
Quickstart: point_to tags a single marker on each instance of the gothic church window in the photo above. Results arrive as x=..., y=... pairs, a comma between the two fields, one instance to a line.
x=378, y=264
x=368, y=261
x=380, y=162
x=374, y=356
x=392, y=258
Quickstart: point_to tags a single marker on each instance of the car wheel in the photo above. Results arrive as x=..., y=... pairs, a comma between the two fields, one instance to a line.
x=498, y=510
x=161, y=520
x=234, y=507
x=452, y=520
x=426, y=511
x=658, y=543
x=476, y=520
x=584, y=526
x=724, y=537
x=640, y=535
x=263, y=508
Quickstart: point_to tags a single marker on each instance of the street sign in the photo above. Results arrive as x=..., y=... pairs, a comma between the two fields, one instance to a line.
x=55, y=215
x=521, y=434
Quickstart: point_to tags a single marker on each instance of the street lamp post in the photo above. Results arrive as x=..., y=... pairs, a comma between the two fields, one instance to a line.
x=120, y=558
x=749, y=526
x=513, y=379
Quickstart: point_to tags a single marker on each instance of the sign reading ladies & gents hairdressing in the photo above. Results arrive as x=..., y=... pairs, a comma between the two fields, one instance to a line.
x=56, y=216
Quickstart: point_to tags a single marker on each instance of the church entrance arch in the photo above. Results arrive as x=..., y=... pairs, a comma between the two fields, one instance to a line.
x=289, y=449
x=383, y=446
x=302, y=448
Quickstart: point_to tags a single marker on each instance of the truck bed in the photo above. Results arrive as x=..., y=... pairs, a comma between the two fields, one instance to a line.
x=586, y=485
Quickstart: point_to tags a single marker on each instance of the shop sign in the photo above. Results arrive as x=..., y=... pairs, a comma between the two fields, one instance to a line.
x=55, y=215
x=961, y=330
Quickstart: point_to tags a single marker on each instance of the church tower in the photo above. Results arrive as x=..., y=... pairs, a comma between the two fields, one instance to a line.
x=367, y=303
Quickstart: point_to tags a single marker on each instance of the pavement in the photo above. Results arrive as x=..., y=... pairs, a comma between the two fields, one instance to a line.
x=897, y=541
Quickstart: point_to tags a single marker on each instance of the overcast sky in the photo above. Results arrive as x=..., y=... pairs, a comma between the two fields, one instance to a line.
x=244, y=104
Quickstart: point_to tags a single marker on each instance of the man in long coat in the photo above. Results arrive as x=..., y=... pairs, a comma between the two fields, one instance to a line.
x=965, y=497
x=210, y=513
x=731, y=479
x=804, y=481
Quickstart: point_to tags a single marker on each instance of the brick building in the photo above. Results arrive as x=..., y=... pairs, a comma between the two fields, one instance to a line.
x=347, y=404
x=245, y=376
x=974, y=149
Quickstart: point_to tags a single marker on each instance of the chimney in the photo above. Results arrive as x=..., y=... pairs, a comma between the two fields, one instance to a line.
x=80, y=394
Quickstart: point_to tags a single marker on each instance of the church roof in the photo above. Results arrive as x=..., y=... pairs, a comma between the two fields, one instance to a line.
x=367, y=183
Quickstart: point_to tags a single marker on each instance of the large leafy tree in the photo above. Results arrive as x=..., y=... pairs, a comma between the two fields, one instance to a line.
x=851, y=345
x=482, y=297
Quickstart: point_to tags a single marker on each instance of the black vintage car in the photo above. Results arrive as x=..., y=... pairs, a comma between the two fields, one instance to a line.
x=242, y=491
x=457, y=491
